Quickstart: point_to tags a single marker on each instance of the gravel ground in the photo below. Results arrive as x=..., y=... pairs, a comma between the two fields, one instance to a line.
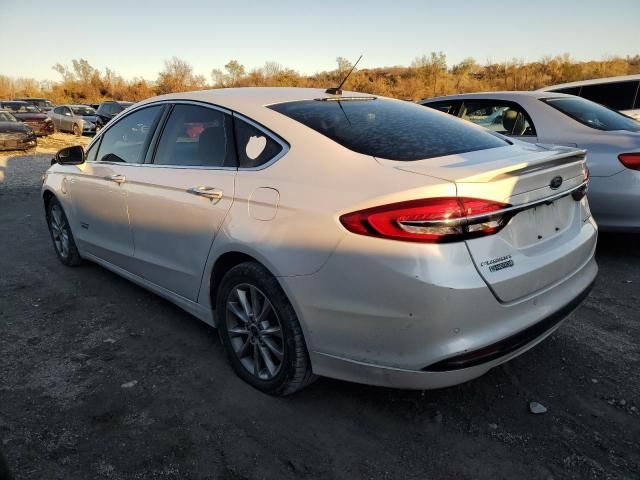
x=101, y=379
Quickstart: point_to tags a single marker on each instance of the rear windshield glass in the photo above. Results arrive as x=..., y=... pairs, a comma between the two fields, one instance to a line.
x=389, y=129
x=592, y=114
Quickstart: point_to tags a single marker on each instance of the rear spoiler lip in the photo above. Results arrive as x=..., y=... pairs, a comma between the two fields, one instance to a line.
x=573, y=155
x=509, y=211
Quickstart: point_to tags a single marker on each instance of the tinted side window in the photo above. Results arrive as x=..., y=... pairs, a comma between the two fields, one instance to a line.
x=616, y=95
x=254, y=147
x=58, y=110
x=128, y=138
x=197, y=136
x=506, y=118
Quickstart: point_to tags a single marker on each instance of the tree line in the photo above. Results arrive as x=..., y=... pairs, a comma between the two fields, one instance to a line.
x=427, y=76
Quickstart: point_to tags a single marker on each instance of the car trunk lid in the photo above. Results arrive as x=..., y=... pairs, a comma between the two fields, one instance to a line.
x=544, y=240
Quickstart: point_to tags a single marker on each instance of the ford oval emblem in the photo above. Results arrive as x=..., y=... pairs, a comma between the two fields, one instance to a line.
x=555, y=183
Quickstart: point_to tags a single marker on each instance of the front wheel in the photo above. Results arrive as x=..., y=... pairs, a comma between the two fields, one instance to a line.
x=260, y=331
x=60, y=230
x=76, y=130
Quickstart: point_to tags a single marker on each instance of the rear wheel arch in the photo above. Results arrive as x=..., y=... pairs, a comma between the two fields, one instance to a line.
x=222, y=265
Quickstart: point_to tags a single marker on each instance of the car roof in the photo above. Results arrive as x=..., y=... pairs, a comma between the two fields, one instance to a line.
x=248, y=98
x=594, y=81
x=507, y=95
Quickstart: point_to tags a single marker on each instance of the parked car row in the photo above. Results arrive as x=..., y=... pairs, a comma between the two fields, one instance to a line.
x=39, y=117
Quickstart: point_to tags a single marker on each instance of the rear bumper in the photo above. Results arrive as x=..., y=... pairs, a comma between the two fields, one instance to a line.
x=382, y=317
x=22, y=144
x=615, y=201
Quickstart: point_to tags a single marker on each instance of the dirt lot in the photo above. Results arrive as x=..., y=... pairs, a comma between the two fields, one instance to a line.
x=101, y=379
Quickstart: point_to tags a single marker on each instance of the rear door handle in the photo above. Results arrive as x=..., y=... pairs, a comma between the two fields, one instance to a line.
x=116, y=178
x=208, y=192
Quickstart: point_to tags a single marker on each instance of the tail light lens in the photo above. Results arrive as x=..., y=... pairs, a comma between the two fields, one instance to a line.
x=432, y=220
x=630, y=160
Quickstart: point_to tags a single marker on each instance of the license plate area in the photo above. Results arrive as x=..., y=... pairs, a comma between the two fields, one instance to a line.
x=541, y=223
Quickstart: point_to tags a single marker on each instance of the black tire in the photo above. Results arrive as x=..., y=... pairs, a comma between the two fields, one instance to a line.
x=76, y=130
x=294, y=369
x=59, y=228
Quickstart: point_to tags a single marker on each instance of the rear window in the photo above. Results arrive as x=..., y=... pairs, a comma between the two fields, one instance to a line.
x=592, y=114
x=389, y=129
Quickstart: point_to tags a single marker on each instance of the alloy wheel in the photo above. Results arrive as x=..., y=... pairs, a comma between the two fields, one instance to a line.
x=255, y=331
x=59, y=231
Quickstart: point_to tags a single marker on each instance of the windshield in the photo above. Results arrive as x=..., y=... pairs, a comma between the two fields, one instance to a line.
x=7, y=117
x=43, y=103
x=592, y=114
x=20, y=107
x=83, y=111
x=389, y=129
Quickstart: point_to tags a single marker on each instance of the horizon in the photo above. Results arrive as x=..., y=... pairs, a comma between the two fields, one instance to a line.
x=400, y=35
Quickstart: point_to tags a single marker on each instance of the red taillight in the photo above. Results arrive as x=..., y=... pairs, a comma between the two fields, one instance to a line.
x=432, y=220
x=630, y=160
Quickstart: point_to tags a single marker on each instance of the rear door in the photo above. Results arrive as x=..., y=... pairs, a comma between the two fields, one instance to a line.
x=505, y=117
x=178, y=200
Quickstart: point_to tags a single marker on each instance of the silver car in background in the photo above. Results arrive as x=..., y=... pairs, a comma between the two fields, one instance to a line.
x=611, y=139
x=77, y=119
x=356, y=237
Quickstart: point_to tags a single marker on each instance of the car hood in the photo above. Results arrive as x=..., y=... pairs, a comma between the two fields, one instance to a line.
x=13, y=127
x=30, y=116
x=89, y=118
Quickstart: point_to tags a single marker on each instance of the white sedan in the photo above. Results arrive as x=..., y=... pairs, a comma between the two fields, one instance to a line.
x=360, y=238
x=612, y=141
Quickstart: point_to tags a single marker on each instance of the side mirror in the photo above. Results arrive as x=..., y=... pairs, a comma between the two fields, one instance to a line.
x=71, y=156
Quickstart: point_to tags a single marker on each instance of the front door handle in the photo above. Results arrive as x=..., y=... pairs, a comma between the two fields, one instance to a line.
x=116, y=178
x=208, y=192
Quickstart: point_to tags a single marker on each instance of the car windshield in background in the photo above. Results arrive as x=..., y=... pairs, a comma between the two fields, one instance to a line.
x=7, y=117
x=593, y=114
x=389, y=129
x=21, y=107
x=83, y=111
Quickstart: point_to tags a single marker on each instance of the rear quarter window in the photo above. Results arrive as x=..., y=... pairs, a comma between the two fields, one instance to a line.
x=389, y=129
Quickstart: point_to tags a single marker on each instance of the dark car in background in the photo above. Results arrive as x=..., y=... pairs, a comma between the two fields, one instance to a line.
x=42, y=103
x=15, y=135
x=107, y=110
x=29, y=114
x=79, y=119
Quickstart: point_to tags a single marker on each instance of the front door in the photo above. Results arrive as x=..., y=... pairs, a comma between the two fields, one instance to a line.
x=98, y=189
x=178, y=202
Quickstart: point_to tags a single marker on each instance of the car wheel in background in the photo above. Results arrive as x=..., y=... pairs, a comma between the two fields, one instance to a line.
x=260, y=331
x=60, y=230
x=76, y=130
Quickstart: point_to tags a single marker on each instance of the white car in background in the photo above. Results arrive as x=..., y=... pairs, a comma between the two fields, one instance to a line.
x=611, y=139
x=619, y=93
x=360, y=238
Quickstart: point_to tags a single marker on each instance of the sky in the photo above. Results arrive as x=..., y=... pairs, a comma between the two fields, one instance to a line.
x=133, y=38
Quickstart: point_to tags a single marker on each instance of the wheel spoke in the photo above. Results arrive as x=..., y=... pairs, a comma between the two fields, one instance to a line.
x=273, y=347
x=237, y=331
x=233, y=306
x=266, y=308
x=276, y=331
x=266, y=356
x=244, y=350
x=57, y=216
x=244, y=301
